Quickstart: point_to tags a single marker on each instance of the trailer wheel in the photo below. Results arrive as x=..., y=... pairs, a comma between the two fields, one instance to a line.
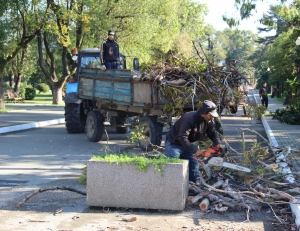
x=94, y=126
x=75, y=118
x=121, y=128
x=152, y=131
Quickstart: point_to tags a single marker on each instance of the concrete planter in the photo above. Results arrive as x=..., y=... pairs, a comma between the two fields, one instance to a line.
x=113, y=185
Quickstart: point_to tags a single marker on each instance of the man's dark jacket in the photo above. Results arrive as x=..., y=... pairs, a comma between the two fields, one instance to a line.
x=263, y=91
x=110, y=51
x=190, y=128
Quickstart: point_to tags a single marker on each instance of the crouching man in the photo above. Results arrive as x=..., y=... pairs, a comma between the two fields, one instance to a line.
x=191, y=127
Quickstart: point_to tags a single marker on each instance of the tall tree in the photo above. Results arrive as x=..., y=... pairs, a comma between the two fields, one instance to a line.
x=145, y=29
x=245, y=9
x=53, y=44
x=25, y=14
x=272, y=20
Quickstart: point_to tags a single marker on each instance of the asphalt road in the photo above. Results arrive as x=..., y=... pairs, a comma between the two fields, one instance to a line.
x=48, y=157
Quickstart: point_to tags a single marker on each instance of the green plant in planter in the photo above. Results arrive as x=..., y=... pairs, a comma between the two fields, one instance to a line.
x=141, y=163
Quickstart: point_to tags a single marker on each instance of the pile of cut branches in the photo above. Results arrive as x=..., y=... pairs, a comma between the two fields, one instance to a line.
x=270, y=184
x=182, y=87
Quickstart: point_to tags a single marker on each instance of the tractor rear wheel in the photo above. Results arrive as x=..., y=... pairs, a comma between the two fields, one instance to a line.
x=75, y=118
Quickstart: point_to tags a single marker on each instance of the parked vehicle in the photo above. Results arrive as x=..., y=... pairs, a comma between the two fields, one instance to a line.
x=114, y=95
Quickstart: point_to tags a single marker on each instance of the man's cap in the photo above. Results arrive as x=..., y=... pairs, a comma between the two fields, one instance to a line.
x=210, y=107
x=111, y=32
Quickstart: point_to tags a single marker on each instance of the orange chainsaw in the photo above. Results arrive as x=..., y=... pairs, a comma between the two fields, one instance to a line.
x=214, y=151
x=214, y=157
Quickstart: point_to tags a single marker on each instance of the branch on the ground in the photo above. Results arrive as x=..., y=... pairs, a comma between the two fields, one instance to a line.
x=48, y=189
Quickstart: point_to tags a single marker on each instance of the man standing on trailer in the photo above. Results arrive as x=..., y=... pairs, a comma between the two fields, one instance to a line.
x=109, y=53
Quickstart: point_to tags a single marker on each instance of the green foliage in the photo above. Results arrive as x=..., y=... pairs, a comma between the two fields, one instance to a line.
x=105, y=148
x=30, y=93
x=43, y=87
x=151, y=29
x=193, y=64
x=245, y=8
x=22, y=90
x=254, y=109
x=252, y=156
x=137, y=135
x=142, y=163
x=82, y=178
x=6, y=86
x=258, y=152
x=178, y=96
x=289, y=115
x=259, y=110
x=235, y=44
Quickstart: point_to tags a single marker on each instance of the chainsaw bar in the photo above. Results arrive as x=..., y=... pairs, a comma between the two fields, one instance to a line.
x=218, y=161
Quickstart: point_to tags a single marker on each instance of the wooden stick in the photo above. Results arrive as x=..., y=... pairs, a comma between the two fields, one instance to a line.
x=196, y=198
x=218, y=184
x=230, y=191
x=212, y=197
x=204, y=204
x=275, y=191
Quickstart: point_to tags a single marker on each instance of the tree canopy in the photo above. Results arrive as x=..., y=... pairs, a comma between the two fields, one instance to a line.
x=44, y=32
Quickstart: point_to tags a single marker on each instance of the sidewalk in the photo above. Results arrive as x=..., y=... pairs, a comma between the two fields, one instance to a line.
x=27, y=116
x=281, y=134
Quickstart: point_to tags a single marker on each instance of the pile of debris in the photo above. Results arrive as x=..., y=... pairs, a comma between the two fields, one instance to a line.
x=183, y=86
x=268, y=184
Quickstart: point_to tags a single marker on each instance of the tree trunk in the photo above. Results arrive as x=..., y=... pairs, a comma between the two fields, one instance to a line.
x=2, y=103
x=2, y=66
x=278, y=90
x=288, y=97
x=12, y=80
x=57, y=95
x=18, y=83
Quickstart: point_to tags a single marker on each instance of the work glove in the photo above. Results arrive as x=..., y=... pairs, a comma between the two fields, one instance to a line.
x=103, y=67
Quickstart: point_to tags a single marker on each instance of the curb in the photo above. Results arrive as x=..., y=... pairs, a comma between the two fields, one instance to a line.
x=269, y=133
x=294, y=207
x=31, y=125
